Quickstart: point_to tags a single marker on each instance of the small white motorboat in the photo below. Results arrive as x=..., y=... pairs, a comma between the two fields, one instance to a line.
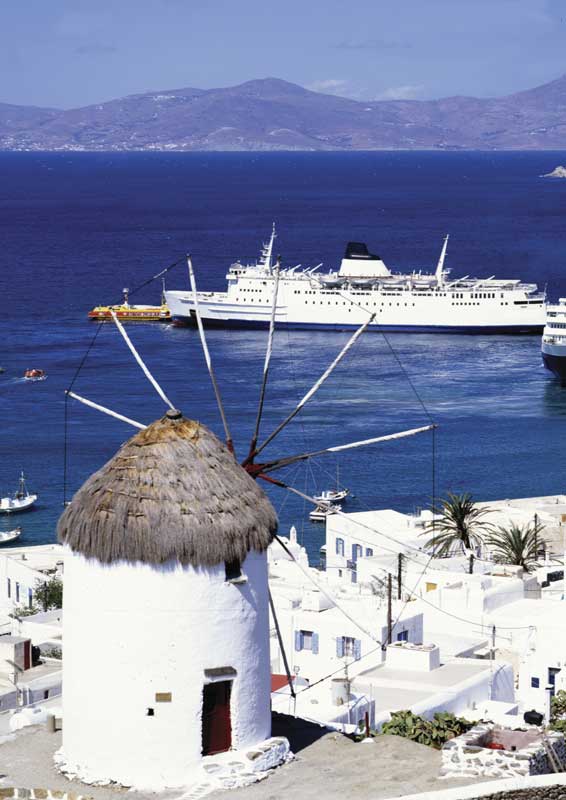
x=332, y=495
x=322, y=511
x=9, y=536
x=21, y=500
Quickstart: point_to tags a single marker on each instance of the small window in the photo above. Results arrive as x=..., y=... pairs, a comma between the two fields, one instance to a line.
x=306, y=640
x=369, y=551
x=356, y=551
x=17, y=592
x=30, y=598
x=403, y=636
x=339, y=547
x=347, y=646
x=348, y=643
x=9, y=587
x=535, y=683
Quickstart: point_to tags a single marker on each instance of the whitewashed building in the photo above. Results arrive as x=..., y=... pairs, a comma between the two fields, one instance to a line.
x=165, y=610
x=21, y=570
x=24, y=679
x=411, y=677
x=326, y=625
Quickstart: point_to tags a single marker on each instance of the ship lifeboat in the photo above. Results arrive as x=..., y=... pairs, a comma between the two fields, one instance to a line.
x=330, y=280
x=34, y=375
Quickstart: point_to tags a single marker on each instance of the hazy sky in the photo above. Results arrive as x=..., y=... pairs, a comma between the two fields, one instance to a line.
x=68, y=53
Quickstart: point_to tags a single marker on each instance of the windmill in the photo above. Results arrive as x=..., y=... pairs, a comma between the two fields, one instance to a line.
x=255, y=463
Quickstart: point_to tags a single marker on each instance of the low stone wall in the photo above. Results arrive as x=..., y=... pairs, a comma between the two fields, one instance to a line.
x=542, y=793
x=467, y=756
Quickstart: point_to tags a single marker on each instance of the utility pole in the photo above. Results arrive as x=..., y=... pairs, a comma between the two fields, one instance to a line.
x=399, y=575
x=491, y=660
x=471, y=567
x=389, y=609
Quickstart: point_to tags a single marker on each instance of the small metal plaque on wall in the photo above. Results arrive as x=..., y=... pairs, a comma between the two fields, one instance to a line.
x=163, y=697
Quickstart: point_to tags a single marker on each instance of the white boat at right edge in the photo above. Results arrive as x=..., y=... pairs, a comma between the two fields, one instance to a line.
x=417, y=301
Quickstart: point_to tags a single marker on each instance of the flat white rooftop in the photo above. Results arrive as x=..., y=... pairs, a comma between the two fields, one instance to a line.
x=39, y=557
x=444, y=677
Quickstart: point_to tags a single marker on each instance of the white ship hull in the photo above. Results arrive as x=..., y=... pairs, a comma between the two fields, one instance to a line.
x=553, y=345
x=362, y=287
x=407, y=314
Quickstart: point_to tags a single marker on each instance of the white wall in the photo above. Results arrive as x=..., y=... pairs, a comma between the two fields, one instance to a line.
x=328, y=626
x=132, y=630
x=466, y=696
x=389, y=531
x=40, y=627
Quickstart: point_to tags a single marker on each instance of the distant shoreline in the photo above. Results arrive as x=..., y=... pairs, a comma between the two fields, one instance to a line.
x=282, y=150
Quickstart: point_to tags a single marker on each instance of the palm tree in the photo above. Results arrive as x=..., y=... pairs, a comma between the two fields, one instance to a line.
x=518, y=545
x=459, y=525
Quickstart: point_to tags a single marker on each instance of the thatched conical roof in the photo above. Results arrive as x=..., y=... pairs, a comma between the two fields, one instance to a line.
x=173, y=491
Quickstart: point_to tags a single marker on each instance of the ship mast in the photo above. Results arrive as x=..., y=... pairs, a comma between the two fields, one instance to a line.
x=267, y=251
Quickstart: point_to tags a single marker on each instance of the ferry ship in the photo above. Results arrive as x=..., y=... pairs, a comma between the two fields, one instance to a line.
x=361, y=287
x=553, y=345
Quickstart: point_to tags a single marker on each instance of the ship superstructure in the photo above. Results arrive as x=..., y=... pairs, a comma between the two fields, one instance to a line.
x=362, y=286
x=553, y=344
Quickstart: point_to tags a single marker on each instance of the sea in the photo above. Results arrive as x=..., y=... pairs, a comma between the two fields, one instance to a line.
x=76, y=228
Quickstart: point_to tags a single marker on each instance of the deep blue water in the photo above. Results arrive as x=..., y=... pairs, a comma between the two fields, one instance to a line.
x=76, y=228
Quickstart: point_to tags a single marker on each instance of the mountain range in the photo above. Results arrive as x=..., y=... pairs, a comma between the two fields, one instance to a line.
x=272, y=114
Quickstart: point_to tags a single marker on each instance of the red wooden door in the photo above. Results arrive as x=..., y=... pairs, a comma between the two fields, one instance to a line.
x=216, y=723
x=27, y=655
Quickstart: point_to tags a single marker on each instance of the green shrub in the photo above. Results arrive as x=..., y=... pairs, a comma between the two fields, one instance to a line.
x=558, y=705
x=49, y=594
x=442, y=727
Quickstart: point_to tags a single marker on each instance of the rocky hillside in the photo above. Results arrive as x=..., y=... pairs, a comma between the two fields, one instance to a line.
x=272, y=114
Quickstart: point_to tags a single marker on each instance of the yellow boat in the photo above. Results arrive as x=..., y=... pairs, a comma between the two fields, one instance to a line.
x=128, y=313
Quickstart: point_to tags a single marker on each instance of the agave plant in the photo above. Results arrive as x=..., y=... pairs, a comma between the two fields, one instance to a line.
x=442, y=727
x=518, y=545
x=459, y=525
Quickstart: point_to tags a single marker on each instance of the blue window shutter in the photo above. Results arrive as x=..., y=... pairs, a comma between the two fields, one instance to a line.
x=298, y=641
x=339, y=547
x=340, y=647
x=357, y=649
x=369, y=551
x=354, y=552
x=315, y=643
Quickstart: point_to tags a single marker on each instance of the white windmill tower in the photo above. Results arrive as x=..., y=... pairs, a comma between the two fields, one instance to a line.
x=166, y=596
x=165, y=609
